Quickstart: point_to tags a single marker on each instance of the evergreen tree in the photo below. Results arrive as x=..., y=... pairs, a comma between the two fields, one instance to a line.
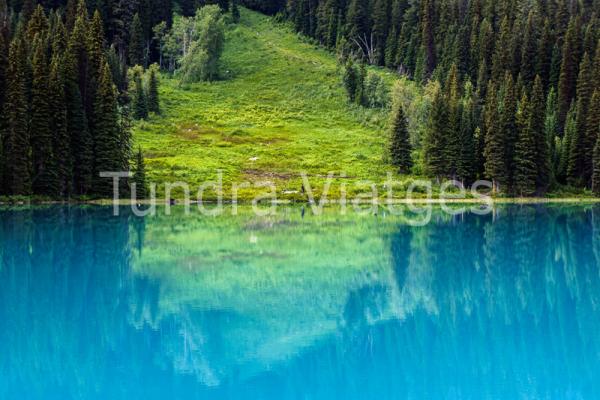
x=350, y=80
x=434, y=145
x=453, y=96
x=139, y=177
x=593, y=133
x=17, y=152
x=140, y=101
x=3, y=114
x=495, y=143
x=106, y=134
x=508, y=110
x=466, y=164
x=380, y=14
x=568, y=71
x=529, y=50
x=358, y=20
x=579, y=166
x=525, y=157
x=153, y=101
x=61, y=143
x=136, y=42
x=427, y=38
x=37, y=24
x=400, y=147
x=551, y=132
x=44, y=178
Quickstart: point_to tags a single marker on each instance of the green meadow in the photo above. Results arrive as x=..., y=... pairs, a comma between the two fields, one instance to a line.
x=279, y=110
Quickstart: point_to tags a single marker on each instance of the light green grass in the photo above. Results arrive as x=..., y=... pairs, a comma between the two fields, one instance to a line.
x=280, y=109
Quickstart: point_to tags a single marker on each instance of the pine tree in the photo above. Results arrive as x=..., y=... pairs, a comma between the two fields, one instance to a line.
x=37, y=24
x=139, y=177
x=495, y=143
x=106, y=134
x=44, y=178
x=140, y=101
x=529, y=50
x=525, y=157
x=536, y=128
x=592, y=136
x=427, y=38
x=3, y=114
x=18, y=161
x=466, y=165
x=579, y=166
x=400, y=147
x=136, y=42
x=380, y=28
x=453, y=96
x=153, y=100
x=79, y=104
x=61, y=143
x=508, y=111
x=350, y=80
x=544, y=53
x=502, y=55
x=551, y=132
x=434, y=145
x=568, y=71
x=358, y=20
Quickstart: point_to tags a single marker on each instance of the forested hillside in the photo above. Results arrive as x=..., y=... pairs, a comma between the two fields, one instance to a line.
x=519, y=100
x=510, y=89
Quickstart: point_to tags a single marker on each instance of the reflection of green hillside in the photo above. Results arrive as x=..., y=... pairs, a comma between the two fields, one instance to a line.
x=284, y=279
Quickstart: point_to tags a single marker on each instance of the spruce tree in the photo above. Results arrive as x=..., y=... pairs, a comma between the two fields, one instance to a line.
x=536, y=128
x=466, y=165
x=140, y=101
x=400, y=147
x=36, y=25
x=139, y=177
x=593, y=133
x=61, y=142
x=529, y=50
x=136, y=42
x=350, y=80
x=551, y=132
x=3, y=114
x=106, y=134
x=596, y=173
x=525, y=153
x=428, y=38
x=495, y=143
x=579, y=166
x=18, y=160
x=44, y=170
x=452, y=148
x=434, y=146
x=508, y=109
x=153, y=100
x=79, y=105
x=568, y=71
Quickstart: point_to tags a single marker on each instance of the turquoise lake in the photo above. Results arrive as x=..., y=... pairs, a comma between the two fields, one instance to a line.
x=298, y=306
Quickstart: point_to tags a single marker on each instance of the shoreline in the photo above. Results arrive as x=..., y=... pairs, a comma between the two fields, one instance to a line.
x=432, y=201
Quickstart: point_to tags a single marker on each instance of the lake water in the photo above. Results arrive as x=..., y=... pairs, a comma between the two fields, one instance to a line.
x=503, y=306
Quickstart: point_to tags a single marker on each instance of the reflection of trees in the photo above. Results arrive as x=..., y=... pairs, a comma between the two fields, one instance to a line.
x=467, y=306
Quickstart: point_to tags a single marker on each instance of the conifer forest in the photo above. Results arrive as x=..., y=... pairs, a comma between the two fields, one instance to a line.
x=512, y=87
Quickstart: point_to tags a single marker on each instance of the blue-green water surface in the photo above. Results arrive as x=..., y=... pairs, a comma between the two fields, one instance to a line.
x=298, y=306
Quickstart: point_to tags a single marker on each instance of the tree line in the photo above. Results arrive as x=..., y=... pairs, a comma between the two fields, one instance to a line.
x=516, y=79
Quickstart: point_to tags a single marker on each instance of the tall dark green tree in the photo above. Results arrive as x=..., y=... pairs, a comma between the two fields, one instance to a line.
x=400, y=147
x=593, y=133
x=44, y=170
x=18, y=159
x=136, y=42
x=107, y=133
x=525, y=158
x=494, y=152
x=61, y=141
x=536, y=128
x=567, y=84
x=434, y=146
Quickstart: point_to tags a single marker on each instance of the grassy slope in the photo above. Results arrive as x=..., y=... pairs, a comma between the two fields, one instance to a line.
x=281, y=102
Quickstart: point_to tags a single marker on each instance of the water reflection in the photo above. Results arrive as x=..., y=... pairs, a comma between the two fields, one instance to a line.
x=95, y=306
